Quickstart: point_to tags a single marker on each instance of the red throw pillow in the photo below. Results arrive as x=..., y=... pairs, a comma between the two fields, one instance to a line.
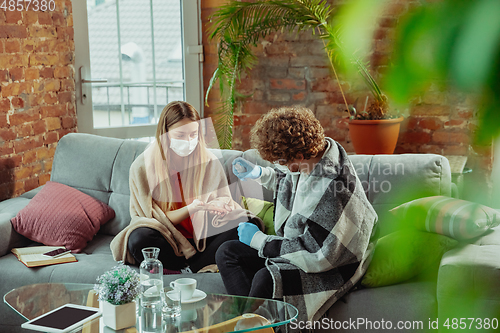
x=60, y=215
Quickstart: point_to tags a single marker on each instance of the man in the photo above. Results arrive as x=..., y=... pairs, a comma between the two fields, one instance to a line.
x=323, y=220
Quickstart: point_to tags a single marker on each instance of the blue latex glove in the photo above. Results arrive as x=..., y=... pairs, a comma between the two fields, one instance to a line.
x=251, y=171
x=246, y=231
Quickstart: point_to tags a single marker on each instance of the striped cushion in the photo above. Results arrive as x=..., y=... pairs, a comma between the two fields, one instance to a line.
x=451, y=217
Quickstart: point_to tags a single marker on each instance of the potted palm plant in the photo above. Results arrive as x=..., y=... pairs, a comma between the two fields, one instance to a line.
x=238, y=26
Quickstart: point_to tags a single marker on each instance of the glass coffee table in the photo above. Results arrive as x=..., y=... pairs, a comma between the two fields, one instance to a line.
x=215, y=313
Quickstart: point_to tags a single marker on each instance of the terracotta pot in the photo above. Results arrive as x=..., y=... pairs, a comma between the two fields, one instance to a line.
x=373, y=137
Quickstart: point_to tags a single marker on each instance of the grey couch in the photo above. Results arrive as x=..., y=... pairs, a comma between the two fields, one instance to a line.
x=99, y=166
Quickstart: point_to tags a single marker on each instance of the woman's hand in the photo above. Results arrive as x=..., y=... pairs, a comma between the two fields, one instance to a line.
x=196, y=206
x=220, y=209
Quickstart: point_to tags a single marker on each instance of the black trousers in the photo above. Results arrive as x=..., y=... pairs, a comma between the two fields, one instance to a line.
x=148, y=237
x=243, y=272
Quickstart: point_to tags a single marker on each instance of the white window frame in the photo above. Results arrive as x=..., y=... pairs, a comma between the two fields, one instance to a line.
x=192, y=70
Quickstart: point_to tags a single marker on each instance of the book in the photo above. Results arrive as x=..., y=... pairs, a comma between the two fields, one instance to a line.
x=32, y=256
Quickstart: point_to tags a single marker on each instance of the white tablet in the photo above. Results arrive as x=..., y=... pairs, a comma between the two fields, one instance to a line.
x=63, y=319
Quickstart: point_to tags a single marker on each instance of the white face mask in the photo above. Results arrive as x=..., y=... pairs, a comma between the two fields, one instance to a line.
x=182, y=147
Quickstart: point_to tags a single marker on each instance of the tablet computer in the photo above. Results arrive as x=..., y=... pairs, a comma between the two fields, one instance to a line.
x=63, y=319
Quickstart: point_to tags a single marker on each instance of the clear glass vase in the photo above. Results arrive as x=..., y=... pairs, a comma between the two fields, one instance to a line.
x=151, y=272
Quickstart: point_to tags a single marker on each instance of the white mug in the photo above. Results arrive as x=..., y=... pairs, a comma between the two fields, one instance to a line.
x=186, y=285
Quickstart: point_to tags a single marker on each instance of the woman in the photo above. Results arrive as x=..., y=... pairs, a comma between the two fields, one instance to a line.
x=179, y=197
x=322, y=218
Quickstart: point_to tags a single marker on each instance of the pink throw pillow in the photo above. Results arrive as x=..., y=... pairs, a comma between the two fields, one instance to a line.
x=60, y=215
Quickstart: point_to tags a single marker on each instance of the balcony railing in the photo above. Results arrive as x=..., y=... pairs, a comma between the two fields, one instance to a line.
x=115, y=102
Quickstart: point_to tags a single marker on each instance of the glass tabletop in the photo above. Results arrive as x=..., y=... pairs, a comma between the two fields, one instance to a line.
x=224, y=313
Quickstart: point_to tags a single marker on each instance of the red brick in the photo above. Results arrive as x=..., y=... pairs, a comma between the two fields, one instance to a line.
x=4, y=75
x=63, y=132
x=416, y=137
x=465, y=114
x=37, y=169
x=44, y=18
x=47, y=45
x=8, y=61
x=287, y=84
x=29, y=45
x=44, y=59
x=444, y=137
x=65, y=97
x=30, y=17
x=13, y=16
x=4, y=104
x=47, y=85
x=68, y=122
x=7, y=134
x=29, y=157
x=26, y=116
x=68, y=85
x=6, y=148
x=63, y=72
x=39, y=127
x=43, y=153
x=65, y=33
x=53, y=123
x=53, y=111
x=17, y=102
x=454, y=122
x=24, y=130
x=431, y=110
x=25, y=145
x=31, y=74
x=50, y=98
x=31, y=184
x=66, y=58
x=12, y=46
x=13, y=31
x=455, y=150
x=16, y=74
x=50, y=137
x=43, y=178
x=58, y=19
x=3, y=121
x=299, y=96
x=23, y=172
x=39, y=31
x=35, y=99
x=430, y=123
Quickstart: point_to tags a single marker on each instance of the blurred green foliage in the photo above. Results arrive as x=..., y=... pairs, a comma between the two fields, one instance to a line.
x=449, y=43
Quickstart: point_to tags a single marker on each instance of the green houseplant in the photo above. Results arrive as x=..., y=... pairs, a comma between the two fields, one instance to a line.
x=238, y=26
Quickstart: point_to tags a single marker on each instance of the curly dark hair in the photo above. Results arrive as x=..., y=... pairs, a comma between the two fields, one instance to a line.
x=281, y=134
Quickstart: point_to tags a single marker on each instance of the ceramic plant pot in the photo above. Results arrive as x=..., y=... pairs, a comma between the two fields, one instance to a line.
x=118, y=316
x=373, y=137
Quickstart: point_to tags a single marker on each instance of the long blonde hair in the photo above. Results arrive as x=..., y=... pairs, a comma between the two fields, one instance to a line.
x=196, y=161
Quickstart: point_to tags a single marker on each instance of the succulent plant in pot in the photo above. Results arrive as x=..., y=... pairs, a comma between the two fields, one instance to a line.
x=237, y=26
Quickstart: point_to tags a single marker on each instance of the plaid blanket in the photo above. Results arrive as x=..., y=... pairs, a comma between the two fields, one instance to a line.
x=323, y=225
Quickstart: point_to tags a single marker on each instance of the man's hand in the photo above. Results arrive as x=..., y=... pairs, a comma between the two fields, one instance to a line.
x=246, y=231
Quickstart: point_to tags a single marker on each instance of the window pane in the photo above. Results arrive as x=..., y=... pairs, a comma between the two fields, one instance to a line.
x=140, y=82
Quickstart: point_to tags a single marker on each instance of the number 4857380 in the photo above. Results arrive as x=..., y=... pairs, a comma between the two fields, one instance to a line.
x=34, y=5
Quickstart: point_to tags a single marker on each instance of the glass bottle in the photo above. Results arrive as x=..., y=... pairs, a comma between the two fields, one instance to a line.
x=151, y=272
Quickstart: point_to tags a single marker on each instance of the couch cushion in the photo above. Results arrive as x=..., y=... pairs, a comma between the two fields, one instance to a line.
x=104, y=177
x=60, y=215
x=412, y=301
x=404, y=254
x=452, y=217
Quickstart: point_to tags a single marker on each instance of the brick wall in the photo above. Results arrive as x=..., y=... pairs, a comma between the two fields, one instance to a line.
x=37, y=89
x=294, y=69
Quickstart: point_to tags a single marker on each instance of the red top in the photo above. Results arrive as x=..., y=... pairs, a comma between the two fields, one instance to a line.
x=185, y=227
